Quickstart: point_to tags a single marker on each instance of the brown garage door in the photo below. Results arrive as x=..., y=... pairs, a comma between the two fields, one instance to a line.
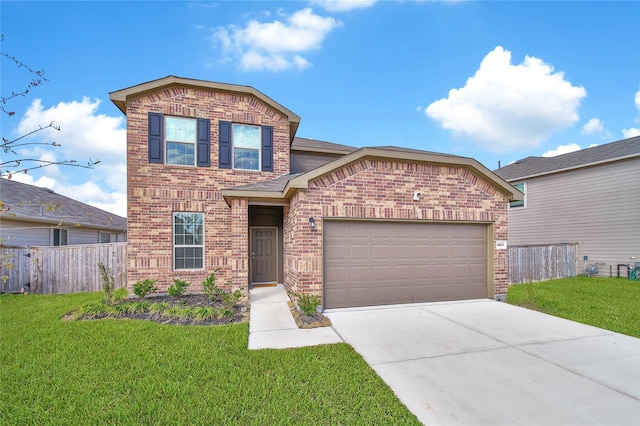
x=378, y=263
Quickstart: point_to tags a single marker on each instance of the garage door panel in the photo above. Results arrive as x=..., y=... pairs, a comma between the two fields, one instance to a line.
x=374, y=263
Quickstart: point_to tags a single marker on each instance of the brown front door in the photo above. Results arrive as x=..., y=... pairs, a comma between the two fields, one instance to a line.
x=264, y=258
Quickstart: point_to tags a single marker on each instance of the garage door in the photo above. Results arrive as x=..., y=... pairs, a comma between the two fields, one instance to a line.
x=378, y=263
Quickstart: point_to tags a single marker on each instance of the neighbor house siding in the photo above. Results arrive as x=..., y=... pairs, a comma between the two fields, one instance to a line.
x=20, y=233
x=155, y=191
x=597, y=207
x=376, y=189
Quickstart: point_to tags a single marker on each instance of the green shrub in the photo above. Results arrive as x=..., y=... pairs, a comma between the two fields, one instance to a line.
x=178, y=288
x=308, y=303
x=142, y=288
x=230, y=299
x=108, y=283
x=138, y=307
x=158, y=308
x=204, y=313
x=120, y=294
x=210, y=288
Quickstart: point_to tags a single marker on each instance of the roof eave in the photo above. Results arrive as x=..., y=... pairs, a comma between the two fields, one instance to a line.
x=580, y=166
x=61, y=222
x=302, y=181
x=120, y=97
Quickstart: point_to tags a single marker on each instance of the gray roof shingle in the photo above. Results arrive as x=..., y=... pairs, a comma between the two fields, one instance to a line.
x=537, y=166
x=28, y=202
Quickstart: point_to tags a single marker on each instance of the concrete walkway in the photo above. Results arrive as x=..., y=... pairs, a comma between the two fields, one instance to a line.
x=271, y=325
x=477, y=362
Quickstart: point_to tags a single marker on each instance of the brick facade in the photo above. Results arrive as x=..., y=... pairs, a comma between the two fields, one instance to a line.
x=376, y=187
x=383, y=189
x=155, y=191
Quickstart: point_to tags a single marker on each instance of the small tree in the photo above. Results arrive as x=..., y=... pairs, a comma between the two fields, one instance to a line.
x=9, y=146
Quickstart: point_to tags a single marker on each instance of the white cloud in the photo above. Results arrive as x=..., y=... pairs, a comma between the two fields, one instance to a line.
x=277, y=45
x=506, y=107
x=343, y=5
x=630, y=132
x=84, y=135
x=562, y=149
x=633, y=131
x=593, y=126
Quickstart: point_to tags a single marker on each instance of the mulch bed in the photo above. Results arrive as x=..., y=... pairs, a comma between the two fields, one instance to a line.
x=241, y=312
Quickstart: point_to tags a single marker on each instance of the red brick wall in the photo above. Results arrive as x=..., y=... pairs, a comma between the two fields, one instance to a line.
x=155, y=191
x=378, y=189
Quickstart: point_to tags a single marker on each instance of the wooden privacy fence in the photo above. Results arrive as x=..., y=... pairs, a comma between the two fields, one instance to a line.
x=66, y=269
x=14, y=268
x=542, y=262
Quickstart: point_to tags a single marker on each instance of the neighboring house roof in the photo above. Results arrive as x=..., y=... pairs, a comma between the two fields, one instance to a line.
x=282, y=187
x=35, y=204
x=539, y=166
x=120, y=97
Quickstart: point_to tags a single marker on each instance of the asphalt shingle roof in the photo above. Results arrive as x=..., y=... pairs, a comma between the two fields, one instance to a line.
x=28, y=202
x=536, y=166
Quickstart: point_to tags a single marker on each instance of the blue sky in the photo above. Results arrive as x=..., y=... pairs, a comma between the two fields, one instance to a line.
x=492, y=80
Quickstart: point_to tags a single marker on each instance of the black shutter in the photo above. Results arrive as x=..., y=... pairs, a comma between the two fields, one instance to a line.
x=224, y=145
x=203, y=145
x=267, y=149
x=155, y=138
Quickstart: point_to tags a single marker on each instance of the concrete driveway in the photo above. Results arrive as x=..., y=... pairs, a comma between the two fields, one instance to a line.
x=483, y=362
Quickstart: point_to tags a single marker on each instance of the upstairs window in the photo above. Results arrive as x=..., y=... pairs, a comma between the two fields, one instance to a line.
x=520, y=187
x=180, y=140
x=246, y=147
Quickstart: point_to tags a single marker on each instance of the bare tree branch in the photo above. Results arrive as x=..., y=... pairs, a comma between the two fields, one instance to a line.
x=8, y=167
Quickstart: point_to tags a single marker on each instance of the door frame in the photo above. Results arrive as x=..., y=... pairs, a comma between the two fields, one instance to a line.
x=276, y=257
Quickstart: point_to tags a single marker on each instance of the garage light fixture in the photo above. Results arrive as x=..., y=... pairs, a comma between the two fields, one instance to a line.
x=312, y=223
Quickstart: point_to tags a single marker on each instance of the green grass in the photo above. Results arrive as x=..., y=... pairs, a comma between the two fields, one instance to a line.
x=609, y=303
x=140, y=373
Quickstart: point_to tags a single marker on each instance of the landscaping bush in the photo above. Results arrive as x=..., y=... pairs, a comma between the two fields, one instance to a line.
x=142, y=288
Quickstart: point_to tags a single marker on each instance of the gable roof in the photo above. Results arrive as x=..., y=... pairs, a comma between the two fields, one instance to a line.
x=120, y=97
x=313, y=145
x=32, y=203
x=282, y=187
x=539, y=166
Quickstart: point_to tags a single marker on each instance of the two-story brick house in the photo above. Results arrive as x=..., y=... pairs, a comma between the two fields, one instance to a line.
x=218, y=179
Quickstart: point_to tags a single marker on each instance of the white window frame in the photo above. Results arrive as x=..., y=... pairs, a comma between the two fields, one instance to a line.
x=180, y=246
x=61, y=241
x=167, y=140
x=524, y=191
x=233, y=147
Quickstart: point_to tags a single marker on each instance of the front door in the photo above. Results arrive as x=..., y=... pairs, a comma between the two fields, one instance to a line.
x=264, y=258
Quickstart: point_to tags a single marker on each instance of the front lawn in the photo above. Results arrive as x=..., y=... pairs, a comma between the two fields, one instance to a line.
x=139, y=373
x=609, y=303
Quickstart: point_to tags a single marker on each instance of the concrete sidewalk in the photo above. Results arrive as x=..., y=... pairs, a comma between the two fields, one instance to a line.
x=271, y=325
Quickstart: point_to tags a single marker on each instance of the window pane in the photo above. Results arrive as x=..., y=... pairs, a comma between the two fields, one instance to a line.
x=246, y=136
x=181, y=153
x=519, y=187
x=180, y=129
x=247, y=159
x=188, y=240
